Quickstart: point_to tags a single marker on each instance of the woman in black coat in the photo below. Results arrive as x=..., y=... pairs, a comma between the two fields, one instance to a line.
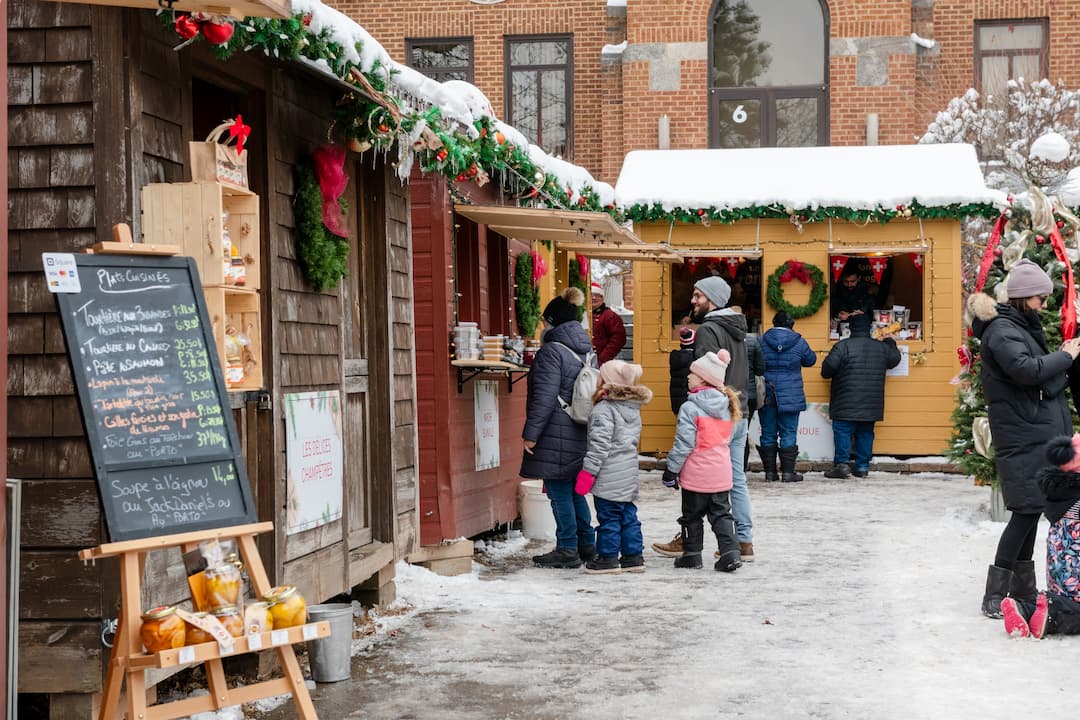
x=554, y=444
x=1023, y=383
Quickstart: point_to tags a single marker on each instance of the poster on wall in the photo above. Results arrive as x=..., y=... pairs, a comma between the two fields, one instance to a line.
x=815, y=439
x=314, y=459
x=901, y=370
x=486, y=424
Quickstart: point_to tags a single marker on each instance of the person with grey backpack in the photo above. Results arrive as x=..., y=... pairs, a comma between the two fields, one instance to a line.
x=554, y=443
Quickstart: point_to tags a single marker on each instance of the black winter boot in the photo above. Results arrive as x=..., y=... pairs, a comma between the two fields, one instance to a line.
x=692, y=539
x=768, y=461
x=839, y=471
x=997, y=588
x=1023, y=586
x=788, y=456
x=586, y=552
x=691, y=561
x=728, y=562
x=559, y=558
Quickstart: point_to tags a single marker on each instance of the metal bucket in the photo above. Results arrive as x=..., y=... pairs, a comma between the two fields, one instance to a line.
x=331, y=657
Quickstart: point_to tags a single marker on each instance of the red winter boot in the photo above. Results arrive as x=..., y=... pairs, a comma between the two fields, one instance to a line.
x=1037, y=624
x=1015, y=624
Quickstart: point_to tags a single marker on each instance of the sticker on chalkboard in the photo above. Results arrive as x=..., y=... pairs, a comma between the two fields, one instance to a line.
x=61, y=275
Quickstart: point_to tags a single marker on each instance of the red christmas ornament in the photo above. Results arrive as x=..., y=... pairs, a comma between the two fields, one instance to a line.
x=701, y=212
x=461, y=177
x=1060, y=223
x=499, y=137
x=307, y=19
x=581, y=200
x=186, y=27
x=1039, y=239
x=997, y=252
x=217, y=33
x=441, y=155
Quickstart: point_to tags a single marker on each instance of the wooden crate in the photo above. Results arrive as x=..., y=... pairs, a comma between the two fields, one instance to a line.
x=239, y=309
x=190, y=215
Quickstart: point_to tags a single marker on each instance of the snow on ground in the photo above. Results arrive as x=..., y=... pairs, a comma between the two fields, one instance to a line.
x=863, y=602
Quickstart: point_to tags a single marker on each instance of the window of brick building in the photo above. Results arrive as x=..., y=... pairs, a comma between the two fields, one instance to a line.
x=539, y=90
x=768, y=73
x=442, y=58
x=1008, y=50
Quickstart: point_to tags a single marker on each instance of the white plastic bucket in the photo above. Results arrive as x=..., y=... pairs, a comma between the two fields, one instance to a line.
x=537, y=520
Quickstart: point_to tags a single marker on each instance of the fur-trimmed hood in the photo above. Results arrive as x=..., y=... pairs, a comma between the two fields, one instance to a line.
x=980, y=306
x=639, y=393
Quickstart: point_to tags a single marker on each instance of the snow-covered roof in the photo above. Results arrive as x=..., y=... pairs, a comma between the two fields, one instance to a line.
x=857, y=177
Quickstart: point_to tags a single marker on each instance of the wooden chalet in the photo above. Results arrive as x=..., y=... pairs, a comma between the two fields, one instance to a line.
x=100, y=106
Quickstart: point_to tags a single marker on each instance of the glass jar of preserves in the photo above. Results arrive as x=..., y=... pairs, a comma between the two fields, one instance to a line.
x=222, y=586
x=287, y=606
x=231, y=618
x=257, y=617
x=195, y=635
x=162, y=629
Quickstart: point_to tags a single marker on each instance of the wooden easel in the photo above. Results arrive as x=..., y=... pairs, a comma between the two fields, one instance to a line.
x=129, y=662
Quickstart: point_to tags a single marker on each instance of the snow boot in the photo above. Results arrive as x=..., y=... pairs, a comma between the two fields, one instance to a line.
x=1039, y=618
x=860, y=472
x=997, y=588
x=691, y=561
x=788, y=456
x=671, y=549
x=1016, y=624
x=768, y=462
x=601, y=565
x=728, y=562
x=840, y=471
x=1022, y=586
x=632, y=563
x=692, y=538
x=559, y=558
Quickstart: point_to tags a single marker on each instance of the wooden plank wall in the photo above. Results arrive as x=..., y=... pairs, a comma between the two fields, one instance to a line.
x=917, y=407
x=51, y=207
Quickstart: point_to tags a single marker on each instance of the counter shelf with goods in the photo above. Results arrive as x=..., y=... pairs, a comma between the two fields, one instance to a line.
x=237, y=326
x=469, y=369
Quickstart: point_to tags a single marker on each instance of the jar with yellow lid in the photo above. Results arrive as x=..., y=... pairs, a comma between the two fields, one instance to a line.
x=222, y=586
x=162, y=629
x=257, y=617
x=195, y=635
x=287, y=606
x=232, y=619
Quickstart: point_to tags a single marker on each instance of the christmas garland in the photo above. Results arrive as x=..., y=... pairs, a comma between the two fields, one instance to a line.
x=804, y=272
x=577, y=279
x=798, y=216
x=323, y=255
x=527, y=296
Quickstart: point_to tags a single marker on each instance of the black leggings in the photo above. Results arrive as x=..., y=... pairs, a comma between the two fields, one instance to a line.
x=1017, y=540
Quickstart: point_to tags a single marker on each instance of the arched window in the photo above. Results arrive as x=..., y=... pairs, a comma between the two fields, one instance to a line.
x=768, y=73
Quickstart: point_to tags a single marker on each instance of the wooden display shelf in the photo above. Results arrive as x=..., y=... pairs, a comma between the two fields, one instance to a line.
x=190, y=215
x=239, y=309
x=191, y=654
x=469, y=369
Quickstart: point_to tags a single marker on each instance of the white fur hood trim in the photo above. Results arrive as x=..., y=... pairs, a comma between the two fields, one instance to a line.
x=981, y=306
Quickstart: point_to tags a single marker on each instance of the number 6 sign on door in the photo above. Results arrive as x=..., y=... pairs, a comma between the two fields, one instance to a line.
x=739, y=116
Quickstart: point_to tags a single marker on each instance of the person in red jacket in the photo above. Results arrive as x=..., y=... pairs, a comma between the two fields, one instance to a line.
x=608, y=333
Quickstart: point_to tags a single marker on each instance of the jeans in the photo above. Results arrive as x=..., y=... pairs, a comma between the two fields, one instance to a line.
x=740, y=494
x=774, y=422
x=573, y=523
x=864, y=442
x=619, y=528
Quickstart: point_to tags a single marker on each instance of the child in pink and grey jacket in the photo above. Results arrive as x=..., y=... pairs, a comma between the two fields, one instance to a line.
x=700, y=462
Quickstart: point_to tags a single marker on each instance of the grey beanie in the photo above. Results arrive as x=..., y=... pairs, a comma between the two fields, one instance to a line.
x=1027, y=279
x=714, y=288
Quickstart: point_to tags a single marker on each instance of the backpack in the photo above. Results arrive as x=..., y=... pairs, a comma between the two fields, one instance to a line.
x=585, y=383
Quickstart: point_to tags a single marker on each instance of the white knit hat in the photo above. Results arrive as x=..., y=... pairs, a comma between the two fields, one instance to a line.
x=620, y=372
x=712, y=367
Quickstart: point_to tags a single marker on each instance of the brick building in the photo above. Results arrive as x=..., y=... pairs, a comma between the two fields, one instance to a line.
x=881, y=65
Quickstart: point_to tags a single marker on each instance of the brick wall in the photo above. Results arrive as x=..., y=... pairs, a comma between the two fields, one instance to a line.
x=873, y=65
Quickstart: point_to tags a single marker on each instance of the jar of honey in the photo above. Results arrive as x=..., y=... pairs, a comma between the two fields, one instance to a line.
x=162, y=629
x=195, y=635
x=287, y=606
x=257, y=618
x=230, y=617
x=222, y=586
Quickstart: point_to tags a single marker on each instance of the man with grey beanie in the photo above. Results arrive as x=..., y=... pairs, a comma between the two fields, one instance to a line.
x=724, y=328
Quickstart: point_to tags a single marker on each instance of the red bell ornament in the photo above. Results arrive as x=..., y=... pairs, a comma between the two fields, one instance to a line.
x=217, y=33
x=186, y=27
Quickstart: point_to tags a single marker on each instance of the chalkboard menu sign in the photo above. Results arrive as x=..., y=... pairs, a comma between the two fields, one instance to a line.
x=153, y=397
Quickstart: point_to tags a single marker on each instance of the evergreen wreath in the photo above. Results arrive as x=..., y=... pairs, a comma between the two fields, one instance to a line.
x=527, y=297
x=805, y=272
x=323, y=255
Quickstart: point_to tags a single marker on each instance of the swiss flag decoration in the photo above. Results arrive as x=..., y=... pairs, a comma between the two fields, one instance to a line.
x=692, y=263
x=878, y=265
x=732, y=266
x=917, y=261
x=837, y=265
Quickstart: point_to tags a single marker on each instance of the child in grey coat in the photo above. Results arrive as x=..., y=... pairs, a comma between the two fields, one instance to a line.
x=611, y=467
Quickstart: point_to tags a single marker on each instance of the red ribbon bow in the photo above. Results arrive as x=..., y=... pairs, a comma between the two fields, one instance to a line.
x=796, y=271
x=1068, y=307
x=240, y=131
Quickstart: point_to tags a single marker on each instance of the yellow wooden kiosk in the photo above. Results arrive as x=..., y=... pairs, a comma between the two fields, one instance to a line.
x=892, y=214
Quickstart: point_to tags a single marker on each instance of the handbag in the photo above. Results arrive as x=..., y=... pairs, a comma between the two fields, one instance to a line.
x=980, y=433
x=214, y=161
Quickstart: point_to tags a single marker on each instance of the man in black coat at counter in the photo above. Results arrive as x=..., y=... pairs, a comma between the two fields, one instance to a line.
x=857, y=368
